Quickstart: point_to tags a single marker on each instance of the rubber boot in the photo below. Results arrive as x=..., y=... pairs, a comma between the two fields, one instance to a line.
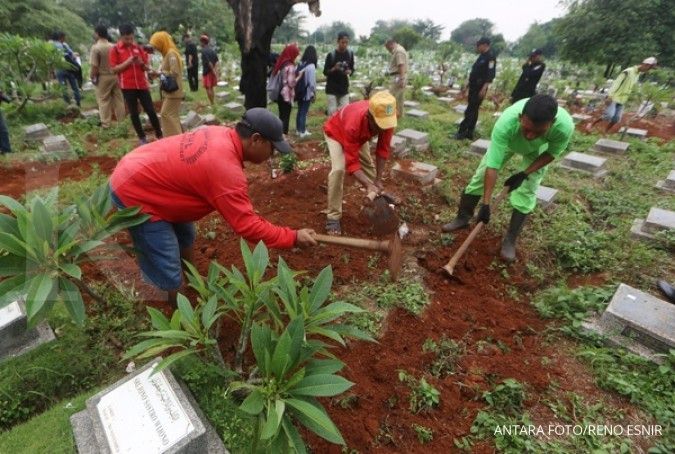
x=508, y=252
x=467, y=205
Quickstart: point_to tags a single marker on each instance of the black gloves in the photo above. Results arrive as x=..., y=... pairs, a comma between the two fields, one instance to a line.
x=514, y=181
x=484, y=214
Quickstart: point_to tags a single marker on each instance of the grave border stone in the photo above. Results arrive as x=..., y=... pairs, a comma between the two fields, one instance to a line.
x=667, y=184
x=24, y=339
x=610, y=147
x=599, y=173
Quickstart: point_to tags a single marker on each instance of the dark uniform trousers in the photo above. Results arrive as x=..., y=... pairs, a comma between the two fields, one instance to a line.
x=468, y=125
x=193, y=77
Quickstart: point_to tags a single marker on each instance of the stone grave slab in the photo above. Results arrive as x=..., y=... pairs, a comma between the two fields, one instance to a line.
x=611, y=146
x=93, y=113
x=56, y=145
x=668, y=185
x=419, y=172
x=210, y=119
x=417, y=139
x=416, y=113
x=578, y=118
x=453, y=91
x=411, y=104
x=638, y=321
x=398, y=147
x=657, y=220
x=221, y=83
x=192, y=120
x=460, y=108
x=15, y=337
x=88, y=86
x=222, y=95
x=234, y=107
x=583, y=162
x=241, y=98
x=479, y=147
x=546, y=196
x=446, y=99
x=144, y=413
x=36, y=132
x=635, y=132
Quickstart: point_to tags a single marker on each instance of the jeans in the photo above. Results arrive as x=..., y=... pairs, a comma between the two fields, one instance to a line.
x=67, y=77
x=5, y=146
x=132, y=98
x=301, y=117
x=284, y=112
x=613, y=112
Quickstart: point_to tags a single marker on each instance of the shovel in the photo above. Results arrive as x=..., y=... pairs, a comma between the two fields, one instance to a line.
x=449, y=268
x=392, y=247
x=380, y=215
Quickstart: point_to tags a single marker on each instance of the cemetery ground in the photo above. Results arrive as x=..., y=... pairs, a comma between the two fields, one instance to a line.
x=453, y=359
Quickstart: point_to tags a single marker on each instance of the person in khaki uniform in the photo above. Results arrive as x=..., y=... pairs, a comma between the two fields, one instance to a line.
x=108, y=94
x=172, y=66
x=398, y=72
x=348, y=132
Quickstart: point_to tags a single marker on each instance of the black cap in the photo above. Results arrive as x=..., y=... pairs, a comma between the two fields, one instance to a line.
x=268, y=125
x=537, y=52
x=483, y=40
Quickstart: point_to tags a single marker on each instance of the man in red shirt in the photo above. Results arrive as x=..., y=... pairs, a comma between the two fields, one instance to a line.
x=348, y=132
x=181, y=179
x=130, y=62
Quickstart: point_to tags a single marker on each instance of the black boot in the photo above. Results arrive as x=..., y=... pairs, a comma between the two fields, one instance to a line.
x=508, y=252
x=667, y=289
x=467, y=205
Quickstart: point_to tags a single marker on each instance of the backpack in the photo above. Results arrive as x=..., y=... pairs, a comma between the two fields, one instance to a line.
x=274, y=85
x=302, y=85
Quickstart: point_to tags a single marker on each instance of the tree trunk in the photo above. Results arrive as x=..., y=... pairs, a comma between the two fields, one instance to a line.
x=254, y=25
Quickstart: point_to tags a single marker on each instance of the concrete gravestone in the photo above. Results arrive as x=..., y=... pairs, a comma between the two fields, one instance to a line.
x=56, y=144
x=192, y=120
x=611, y=146
x=479, y=147
x=234, y=107
x=658, y=220
x=668, y=185
x=93, y=113
x=445, y=99
x=546, y=196
x=419, y=172
x=578, y=118
x=398, y=147
x=635, y=132
x=595, y=165
x=15, y=337
x=637, y=321
x=36, y=132
x=222, y=95
x=460, y=108
x=413, y=104
x=144, y=413
x=416, y=113
x=416, y=139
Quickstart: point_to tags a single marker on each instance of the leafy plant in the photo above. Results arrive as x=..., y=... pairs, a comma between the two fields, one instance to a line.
x=424, y=434
x=42, y=248
x=507, y=397
x=448, y=353
x=423, y=396
x=288, y=162
x=291, y=379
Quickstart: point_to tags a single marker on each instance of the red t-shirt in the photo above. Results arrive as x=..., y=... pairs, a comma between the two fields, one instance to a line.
x=132, y=78
x=349, y=126
x=185, y=177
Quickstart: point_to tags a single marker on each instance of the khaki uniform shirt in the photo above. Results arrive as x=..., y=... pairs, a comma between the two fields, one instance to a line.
x=398, y=57
x=99, y=57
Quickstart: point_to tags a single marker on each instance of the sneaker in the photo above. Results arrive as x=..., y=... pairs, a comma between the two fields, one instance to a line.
x=302, y=135
x=143, y=141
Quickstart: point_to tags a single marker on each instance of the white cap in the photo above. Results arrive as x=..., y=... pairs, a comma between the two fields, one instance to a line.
x=649, y=61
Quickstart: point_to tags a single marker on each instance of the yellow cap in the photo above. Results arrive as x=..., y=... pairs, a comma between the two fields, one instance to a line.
x=383, y=108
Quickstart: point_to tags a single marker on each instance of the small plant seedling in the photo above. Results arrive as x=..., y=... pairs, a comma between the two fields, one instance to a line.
x=347, y=402
x=448, y=353
x=423, y=396
x=507, y=397
x=424, y=434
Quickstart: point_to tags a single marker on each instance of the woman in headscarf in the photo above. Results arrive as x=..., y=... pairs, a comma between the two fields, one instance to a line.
x=171, y=66
x=286, y=64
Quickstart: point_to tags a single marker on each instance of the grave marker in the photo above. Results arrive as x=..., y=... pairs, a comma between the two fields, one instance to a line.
x=15, y=337
x=36, y=132
x=234, y=107
x=446, y=99
x=667, y=185
x=460, y=108
x=93, y=113
x=210, y=119
x=635, y=132
x=56, y=145
x=415, y=171
x=412, y=104
x=192, y=120
x=657, y=220
x=144, y=413
x=222, y=83
x=398, y=147
x=546, y=196
x=415, y=113
x=418, y=140
x=222, y=95
x=479, y=147
x=611, y=146
x=578, y=118
x=594, y=165
x=640, y=322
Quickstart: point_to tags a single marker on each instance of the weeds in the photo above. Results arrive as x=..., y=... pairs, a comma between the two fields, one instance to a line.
x=448, y=353
x=424, y=434
x=423, y=396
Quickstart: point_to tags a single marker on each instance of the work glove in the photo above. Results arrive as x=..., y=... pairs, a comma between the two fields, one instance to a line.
x=515, y=180
x=484, y=213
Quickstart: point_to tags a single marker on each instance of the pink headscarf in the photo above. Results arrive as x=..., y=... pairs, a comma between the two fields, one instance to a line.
x=288, y=55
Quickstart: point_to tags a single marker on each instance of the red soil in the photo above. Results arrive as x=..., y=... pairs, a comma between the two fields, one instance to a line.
x=661, y=126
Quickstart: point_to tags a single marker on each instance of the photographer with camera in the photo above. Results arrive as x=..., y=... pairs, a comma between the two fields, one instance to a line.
x=338, y=67
x=5, y=146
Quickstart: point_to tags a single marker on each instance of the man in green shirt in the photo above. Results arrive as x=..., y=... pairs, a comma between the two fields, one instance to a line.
x=618, y=93
x=539, y=131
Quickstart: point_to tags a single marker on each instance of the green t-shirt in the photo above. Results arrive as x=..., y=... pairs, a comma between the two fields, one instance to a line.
x=623, y=85
x=506, y=136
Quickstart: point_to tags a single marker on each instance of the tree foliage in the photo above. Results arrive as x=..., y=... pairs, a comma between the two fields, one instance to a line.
x=291, y=29
x=616, y=31
x=407, y=37
x=470, y=31
x=327, y=34
x=428, y=29
x=40, y=18
x=538, y=36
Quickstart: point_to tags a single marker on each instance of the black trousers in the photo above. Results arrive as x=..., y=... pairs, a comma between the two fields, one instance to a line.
x=132, y=98
x=284, y=112
x=468, y=125
x=193, y=77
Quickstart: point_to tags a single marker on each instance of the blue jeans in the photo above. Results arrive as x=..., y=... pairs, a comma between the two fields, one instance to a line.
x=613, y=112
x=67, y=77
x=158, y=245
x=5, y=146
x=301, y=116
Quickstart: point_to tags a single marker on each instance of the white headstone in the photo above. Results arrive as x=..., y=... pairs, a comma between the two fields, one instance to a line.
x=546, y=196
x=611, y=146
x=460, y=108
x=234, y=106
x=36, y=132
x=415, y=113
x=479, y=147
x=667, y=185
x=10, y=313
x=56, y=144
x=419, y=172
x=595, y=165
